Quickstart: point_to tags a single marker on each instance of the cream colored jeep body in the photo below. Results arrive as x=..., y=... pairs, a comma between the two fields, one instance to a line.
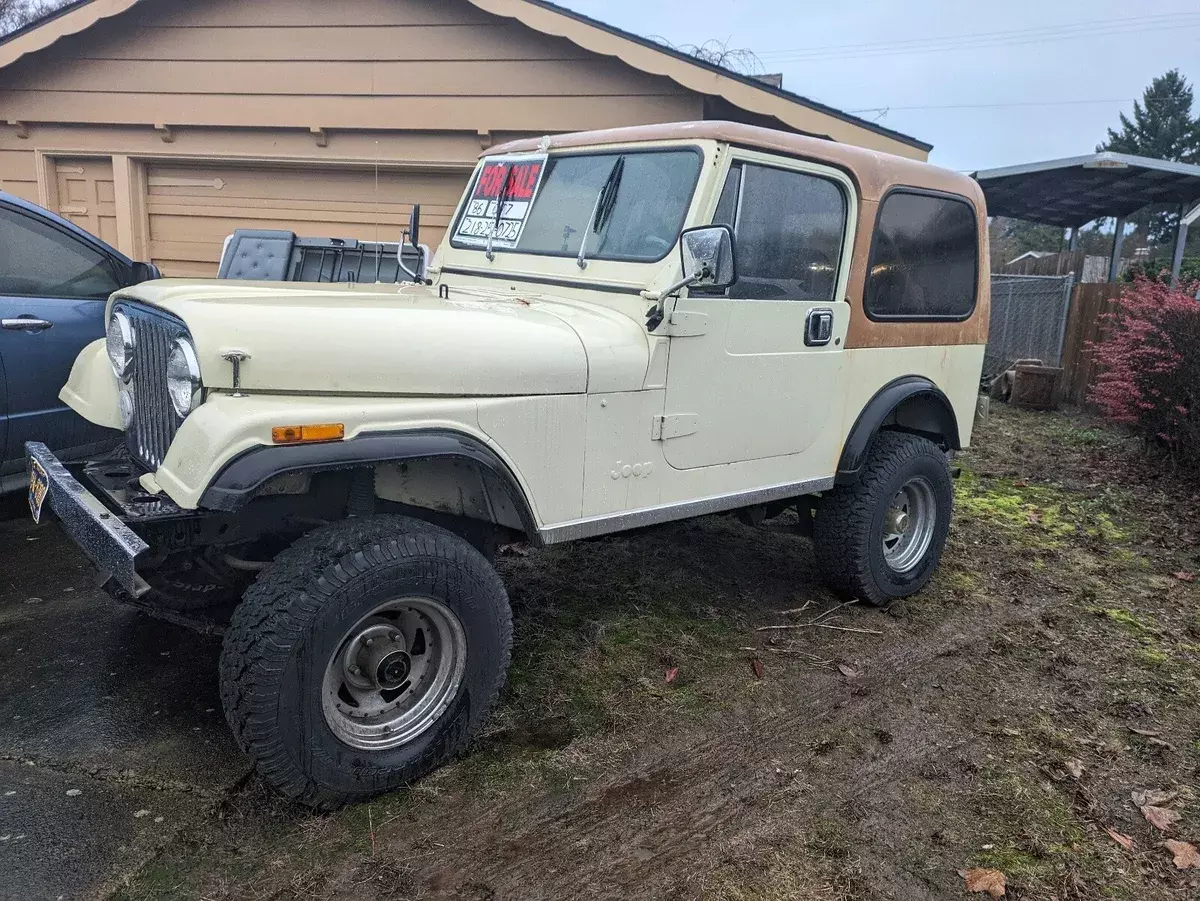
x=553, y=381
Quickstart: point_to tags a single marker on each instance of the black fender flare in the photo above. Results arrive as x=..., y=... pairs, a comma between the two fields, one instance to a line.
x=241, y=477
x=885, y=402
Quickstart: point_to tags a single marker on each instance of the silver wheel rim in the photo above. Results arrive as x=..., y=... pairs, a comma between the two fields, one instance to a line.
x=908, y=525
x=394, y=673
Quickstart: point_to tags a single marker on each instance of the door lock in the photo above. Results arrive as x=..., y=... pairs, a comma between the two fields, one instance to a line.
x=818, y=327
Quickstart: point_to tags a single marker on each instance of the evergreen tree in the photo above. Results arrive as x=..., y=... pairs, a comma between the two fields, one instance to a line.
x=1163, y=128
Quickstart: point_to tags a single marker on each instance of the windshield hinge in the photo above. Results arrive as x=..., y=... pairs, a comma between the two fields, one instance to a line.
x=674, y=425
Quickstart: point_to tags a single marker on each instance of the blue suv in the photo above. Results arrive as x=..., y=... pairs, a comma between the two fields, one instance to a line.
x=54, y=281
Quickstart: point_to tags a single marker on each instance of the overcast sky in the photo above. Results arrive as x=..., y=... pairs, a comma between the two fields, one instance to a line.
x=988, y=84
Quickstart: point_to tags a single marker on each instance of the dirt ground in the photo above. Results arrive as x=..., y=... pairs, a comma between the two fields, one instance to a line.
x=1002, y=719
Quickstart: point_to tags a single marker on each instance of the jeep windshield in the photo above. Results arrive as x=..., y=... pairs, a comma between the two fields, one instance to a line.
x=629, y=205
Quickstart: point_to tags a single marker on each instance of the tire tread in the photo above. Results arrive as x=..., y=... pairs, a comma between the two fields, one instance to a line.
x=287, y=596
x=842, y=533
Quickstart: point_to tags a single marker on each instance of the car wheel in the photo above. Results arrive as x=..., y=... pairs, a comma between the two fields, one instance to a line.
x=368, y=653
x=882, y=537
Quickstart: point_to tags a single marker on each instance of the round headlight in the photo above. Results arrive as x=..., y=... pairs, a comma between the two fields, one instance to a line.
x=183, y=377
x=125, y=405
x=119, y=341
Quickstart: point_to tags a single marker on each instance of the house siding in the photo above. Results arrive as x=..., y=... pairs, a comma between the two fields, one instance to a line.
x=405, y=64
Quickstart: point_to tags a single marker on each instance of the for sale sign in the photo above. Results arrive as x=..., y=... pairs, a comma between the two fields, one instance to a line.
x=515, y=179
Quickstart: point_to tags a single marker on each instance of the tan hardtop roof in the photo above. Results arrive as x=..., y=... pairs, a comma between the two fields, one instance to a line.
x=874, y=170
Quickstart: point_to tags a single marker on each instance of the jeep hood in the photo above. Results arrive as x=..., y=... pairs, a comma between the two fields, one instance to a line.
x=390, y=339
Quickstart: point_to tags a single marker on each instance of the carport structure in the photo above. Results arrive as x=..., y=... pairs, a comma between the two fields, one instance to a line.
x=1072, y=192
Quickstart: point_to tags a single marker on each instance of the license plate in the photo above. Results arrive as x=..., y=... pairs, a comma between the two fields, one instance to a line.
x=39, y=487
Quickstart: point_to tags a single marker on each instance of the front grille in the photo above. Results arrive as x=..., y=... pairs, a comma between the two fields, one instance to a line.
x=155, y=421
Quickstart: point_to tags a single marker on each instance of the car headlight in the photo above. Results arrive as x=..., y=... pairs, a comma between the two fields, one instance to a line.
x=125, y=405
x=119, y=341
x=183, y=377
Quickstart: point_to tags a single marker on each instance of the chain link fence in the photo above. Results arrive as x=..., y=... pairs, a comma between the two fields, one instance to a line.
x=1029, y=320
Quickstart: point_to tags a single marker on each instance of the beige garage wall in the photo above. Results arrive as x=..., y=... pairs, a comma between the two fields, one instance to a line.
x=18, y=171
x=432, y=65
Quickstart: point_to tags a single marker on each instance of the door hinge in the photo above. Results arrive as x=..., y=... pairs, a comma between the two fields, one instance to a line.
x=683, y=324
x=674, y=425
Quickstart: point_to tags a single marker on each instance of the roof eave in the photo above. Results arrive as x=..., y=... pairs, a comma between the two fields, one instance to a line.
x=1094, y=159
x=1053, y=192
x=64, y=22
x=691, y=75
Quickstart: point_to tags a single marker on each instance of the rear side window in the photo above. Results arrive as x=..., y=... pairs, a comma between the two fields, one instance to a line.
x=924, y=258
x=38, y=260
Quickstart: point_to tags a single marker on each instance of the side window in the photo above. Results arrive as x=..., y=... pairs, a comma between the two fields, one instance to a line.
x=38, y=260
x=789, y=226
x=726, y=212
x=924, y=258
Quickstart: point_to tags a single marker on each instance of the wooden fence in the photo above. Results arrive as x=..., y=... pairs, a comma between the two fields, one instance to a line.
x=1086, y=323
x=1086, y=268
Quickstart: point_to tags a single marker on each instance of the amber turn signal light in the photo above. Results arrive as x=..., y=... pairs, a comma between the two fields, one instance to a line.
x=302, y=434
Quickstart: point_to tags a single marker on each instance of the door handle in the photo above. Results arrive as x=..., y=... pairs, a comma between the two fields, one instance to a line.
x=818, y=327
x=26, y=324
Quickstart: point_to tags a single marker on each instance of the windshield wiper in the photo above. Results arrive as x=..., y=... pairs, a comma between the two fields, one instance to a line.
x=488, y=252
x=606, y=201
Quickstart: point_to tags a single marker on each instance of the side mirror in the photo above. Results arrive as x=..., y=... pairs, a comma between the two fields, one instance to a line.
x=144, y=272
x=708, y=261
x=708, y=257
x=411, y=238
x=414, y=226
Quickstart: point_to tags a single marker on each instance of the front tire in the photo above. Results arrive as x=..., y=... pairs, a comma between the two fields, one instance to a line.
x=881, y=538
x=367, y=654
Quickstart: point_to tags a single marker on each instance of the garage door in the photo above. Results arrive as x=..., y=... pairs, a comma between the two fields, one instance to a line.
x=192, y=208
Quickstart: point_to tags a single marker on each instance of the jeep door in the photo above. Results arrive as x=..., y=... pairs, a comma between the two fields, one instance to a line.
x=761, y=378
x=53, y=288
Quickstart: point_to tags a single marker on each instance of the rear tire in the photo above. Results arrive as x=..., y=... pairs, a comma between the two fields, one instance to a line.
x=367, y=654
x=882, y=537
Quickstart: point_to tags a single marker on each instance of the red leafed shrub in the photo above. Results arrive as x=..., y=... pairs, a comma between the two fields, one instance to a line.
x=1149, y=367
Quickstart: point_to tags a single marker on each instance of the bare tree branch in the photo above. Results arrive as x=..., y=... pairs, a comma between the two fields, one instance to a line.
x=719, y=53
x=16, y=14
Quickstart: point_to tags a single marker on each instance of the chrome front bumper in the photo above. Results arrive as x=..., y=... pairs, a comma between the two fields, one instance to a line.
x=111, y=545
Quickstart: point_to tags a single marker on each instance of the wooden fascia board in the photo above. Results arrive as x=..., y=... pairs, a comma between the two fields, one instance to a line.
x=54, y=28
